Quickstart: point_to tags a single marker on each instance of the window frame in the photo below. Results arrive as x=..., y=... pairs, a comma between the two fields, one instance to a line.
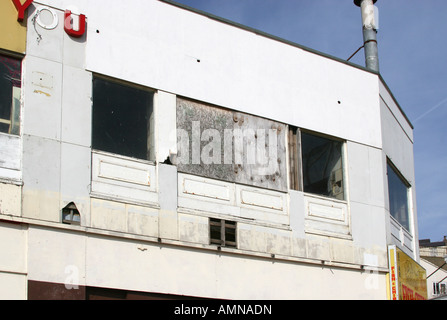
x=407, y=185
x=224, y=226
x=296, y=170
x=151, y=122
x=14, y=121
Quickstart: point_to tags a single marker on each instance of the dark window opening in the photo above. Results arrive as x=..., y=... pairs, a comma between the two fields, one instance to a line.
x=71, y=215
x=223, y=232
x=322, y=166
x=398, y=196
x=122, y=116
x=439, y=288
x=10, y=91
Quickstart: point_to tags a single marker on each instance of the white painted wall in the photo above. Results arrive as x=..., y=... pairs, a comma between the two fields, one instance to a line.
x=438, y=276
x=13, y=261
x=397, y=135
x=142, y=44
x=136, y=265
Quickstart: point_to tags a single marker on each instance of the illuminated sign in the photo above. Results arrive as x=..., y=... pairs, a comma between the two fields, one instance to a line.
x=407, y=278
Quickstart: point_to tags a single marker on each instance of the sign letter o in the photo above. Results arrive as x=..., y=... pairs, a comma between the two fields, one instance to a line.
x=47, y=26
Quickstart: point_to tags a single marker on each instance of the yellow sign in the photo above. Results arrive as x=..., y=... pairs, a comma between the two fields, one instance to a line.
x=12, y=32
x=407, y=278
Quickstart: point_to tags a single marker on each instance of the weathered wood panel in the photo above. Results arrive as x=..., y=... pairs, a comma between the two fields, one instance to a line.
x=231, y=146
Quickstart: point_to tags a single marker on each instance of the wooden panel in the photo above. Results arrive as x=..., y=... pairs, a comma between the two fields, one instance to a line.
x=197, y=194
x=395, y=228
x=10, y=152
x=327, y=217
x=407, y=240
x=119, y=177
x=326, y=211
x=206, y=189
x=126, y=173
x=262, y=199
x=226, y=145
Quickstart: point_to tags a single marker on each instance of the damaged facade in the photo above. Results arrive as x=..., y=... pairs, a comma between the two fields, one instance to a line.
x=192, y=159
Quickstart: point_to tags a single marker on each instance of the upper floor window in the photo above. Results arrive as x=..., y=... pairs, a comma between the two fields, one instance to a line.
x=398, y=196
x=322, y=165
x=122, y=117
x=10, y=84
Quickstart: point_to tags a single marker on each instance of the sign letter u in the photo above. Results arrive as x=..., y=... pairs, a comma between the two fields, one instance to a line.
x=68, y=25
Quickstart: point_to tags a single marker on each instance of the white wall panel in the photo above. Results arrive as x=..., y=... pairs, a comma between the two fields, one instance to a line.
x=327, y=217
x=123, y=178
x=76, y=179
x=204, y=59
x=76, y=106
x=41, y=178
x=13, y=240
x=41, y=42
x=10, y=199
x=225, y=198
x=10, y=152
x=42, y=98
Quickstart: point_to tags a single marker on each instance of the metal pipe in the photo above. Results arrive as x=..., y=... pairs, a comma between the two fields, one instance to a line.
x=369, y=33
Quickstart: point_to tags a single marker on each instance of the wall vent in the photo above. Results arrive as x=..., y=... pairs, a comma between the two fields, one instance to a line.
x=223, y=232
x=71, y=215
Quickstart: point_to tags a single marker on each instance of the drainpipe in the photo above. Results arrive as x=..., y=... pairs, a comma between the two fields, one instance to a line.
x=370, y=26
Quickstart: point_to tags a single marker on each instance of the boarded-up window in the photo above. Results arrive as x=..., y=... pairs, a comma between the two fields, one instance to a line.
x=231, y=146
x=10, y=84
x=122, y=116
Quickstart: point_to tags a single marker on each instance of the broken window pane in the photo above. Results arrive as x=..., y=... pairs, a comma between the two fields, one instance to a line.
x=398, y=197
x=322, y=166
x=122, y=116
x=10, y=84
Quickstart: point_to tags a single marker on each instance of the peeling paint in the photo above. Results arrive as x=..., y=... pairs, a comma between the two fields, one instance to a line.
x=41, y=92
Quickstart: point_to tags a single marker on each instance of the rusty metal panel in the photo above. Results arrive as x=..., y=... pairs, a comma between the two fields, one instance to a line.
x=227, y=145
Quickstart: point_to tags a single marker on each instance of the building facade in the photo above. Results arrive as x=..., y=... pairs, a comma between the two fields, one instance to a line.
x=153, y=150
x=434, y=259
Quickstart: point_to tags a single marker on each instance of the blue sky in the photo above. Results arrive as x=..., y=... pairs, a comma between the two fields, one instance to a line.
x=413, y=62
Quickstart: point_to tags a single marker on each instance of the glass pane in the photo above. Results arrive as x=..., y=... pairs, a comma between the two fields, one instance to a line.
x=215, y=234
x=66, y=215
x=398, y=196
x=230, y=234
x=10, y=78
x=322, y=166
x=76, y=217
x=121, y=116
x=15, y=112
x=4, y=127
